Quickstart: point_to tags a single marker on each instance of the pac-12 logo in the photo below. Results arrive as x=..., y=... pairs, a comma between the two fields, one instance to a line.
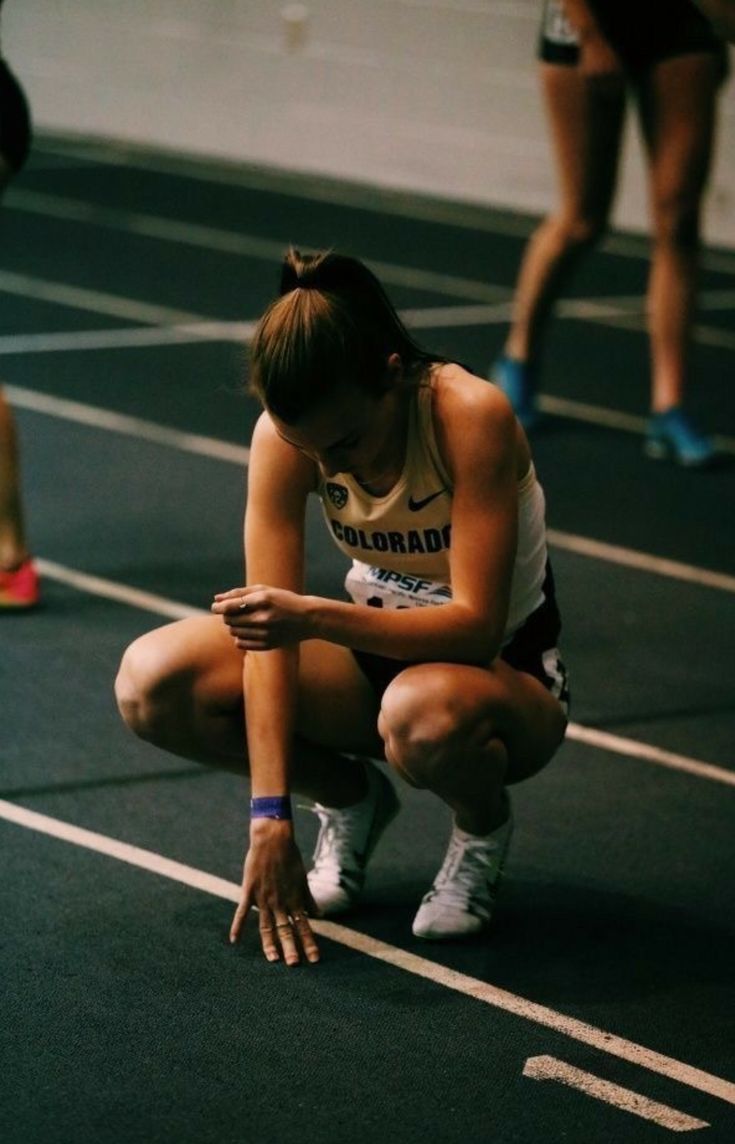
x=337, y=494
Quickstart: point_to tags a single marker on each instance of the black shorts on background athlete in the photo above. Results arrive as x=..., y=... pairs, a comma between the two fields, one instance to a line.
x=642, y=32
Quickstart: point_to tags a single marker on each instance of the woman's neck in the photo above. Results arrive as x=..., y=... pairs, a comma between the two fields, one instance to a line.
x=388, y=465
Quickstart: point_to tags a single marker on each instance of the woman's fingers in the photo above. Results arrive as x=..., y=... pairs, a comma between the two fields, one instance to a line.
x=230, y=594
x=238, y=920
x=303, y=929
x=289, y=936
x=287, y=939
x=267, y=928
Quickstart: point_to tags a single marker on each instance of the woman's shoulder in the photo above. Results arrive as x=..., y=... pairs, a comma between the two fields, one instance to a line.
x=469, y=410
x=461, y=396
x=281, y=460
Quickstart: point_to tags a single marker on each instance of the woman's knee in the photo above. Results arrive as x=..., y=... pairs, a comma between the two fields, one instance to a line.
x=145, y=687
x=579, y=231
x=676, y=221
x=423, y=723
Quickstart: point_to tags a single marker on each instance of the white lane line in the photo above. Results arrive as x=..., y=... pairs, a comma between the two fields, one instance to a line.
x=135, y=427
x=634, y=749
x=610, y=418
x=549, y=1068
x=587, y=310
x=73, y=341
x=112, y=590
x=607, y=311
x=590, y=309
x=592, y=414
x=56, y=341
x=235, y=242
x=602, y=740
x=642, y=561
x=391, y=955
x=122, y=851
x=446, y=317
x=93, y=301
x=100, y=418
x=378, y=200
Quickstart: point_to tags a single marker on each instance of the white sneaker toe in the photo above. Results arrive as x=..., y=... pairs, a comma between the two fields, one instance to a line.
x=460, y=903
x=434, y=925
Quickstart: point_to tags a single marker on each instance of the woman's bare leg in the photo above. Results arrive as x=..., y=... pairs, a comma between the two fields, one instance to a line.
x=677, y=106
x=180, y=687
x=466, y=732
x=586, y=123
x=13, y=549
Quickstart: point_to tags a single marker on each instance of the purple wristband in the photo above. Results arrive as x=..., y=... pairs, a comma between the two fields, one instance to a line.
x=276, y=806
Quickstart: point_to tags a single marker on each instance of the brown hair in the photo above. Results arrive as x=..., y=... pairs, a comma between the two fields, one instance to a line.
x=332, y=323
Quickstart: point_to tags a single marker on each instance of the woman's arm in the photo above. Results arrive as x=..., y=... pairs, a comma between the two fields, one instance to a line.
x=274, y=878
x=279, y=480
x=477, y=432
x=598, y=60
x=581, y=17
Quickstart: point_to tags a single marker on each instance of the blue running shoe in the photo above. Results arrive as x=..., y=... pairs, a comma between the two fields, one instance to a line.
x=517, y=379
x=672, y=436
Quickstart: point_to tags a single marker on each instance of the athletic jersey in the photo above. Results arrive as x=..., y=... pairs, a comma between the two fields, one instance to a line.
x=399, y=543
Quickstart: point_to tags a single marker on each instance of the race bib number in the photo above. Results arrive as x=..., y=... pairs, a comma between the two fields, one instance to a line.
x=382, y=588
x=557, y=28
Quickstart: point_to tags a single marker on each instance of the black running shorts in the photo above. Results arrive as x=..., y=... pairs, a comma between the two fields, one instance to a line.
x=642, y=32
x=532, y=649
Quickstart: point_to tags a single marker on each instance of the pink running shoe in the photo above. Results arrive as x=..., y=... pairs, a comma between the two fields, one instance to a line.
x=19, y=588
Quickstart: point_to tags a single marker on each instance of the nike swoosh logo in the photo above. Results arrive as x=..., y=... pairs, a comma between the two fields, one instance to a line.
x=417, y=505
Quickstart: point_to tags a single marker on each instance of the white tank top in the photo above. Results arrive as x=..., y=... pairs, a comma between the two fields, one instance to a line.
x=399, y=543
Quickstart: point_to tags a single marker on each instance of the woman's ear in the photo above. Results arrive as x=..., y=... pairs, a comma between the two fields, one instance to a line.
x=395, y=370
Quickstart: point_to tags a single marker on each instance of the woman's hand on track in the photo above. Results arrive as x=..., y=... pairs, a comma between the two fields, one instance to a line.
x=261, y=618
x=274, y=880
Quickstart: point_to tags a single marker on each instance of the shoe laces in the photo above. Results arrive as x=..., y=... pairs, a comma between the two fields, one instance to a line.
x=334, y=846
x=468, y=872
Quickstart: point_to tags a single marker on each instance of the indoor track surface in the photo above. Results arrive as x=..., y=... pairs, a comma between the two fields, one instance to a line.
x=599, y=1007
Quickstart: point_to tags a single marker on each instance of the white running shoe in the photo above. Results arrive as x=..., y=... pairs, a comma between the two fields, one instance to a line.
x=461, y=900
x=347, y=838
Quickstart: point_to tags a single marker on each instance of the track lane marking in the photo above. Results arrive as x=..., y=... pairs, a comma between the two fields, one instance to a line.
x=93, y=301
x=113, y=590
x=135, y=427
x=270, y=250
x=642, y=561
x=235, y=242
x=323, y=188
x=634, y=749
x=97, y=417
x=549, y=1068
x=617, y=313
x=391, y=955
x=74, y=341
x=241, y=332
